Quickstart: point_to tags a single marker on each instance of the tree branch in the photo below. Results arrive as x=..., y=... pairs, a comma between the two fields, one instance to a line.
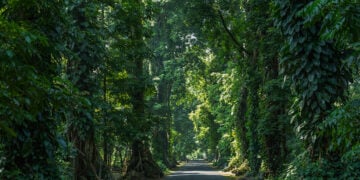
x=232, y=37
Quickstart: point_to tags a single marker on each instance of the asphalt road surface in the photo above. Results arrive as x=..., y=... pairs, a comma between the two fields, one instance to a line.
x=195, y=170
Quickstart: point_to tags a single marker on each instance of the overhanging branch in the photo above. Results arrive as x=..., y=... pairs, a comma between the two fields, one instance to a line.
x=232, y=37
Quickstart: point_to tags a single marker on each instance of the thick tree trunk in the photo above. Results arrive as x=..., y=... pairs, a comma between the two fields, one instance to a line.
x=254, y=113
x=141, y=165
x=87, y=162
x=214, y=136
x=161, y=146
x=161, y=136
x=274, y=142
x=240, y=123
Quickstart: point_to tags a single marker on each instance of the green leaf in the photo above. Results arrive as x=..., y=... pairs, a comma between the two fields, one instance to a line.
x=9, y=53
x=27, y=101
x=311, y=77
x=330, y=89
x=17, y=103
x=28, y=39
x=314, y=105
x=318, y=49
x=7, y=130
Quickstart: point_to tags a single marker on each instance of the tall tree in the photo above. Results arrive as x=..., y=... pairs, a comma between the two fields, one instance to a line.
x=81, y=70
x=30, y=51
x=141, y=164
x=159, y=44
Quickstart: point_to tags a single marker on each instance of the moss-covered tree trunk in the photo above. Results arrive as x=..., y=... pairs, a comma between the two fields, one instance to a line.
x=253, y=121
x=274, y=127
x=240, y=123
x=161, y=136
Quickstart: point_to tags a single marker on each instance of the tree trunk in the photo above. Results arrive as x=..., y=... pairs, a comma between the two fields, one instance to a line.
x=240, y=123
x=87, y=162
x=141, y=165
x=161, y=136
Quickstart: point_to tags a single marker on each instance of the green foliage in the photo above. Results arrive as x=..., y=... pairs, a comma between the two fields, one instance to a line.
x=184, y=142
x=343, y=127
x=30, y=49
x=224, y=151
x=238, y=166
x=82, y=83
x=318, y=75
x=274, y=127
x=304, y=168
x=207, y=130
x=351, y=160
x=162, y=166
x=234, y=162
x=341, y=18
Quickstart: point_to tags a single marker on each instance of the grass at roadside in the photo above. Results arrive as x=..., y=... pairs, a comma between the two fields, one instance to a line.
x=169, y=171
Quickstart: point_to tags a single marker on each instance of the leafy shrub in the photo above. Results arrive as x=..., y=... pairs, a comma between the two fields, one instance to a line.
x=233, y=163
x=243, y=169
x=162, y=166
x=342, y=161
x=351, y=162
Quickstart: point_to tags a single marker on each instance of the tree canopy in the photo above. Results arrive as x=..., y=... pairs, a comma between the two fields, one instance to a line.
x=126, y=89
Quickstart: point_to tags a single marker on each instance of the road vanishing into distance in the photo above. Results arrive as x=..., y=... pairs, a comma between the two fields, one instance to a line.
x=196, y=170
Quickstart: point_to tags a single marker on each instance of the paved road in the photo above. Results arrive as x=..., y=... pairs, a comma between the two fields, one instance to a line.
x=195, y=170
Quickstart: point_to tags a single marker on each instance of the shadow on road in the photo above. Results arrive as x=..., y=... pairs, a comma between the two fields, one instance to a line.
x=197, y=170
